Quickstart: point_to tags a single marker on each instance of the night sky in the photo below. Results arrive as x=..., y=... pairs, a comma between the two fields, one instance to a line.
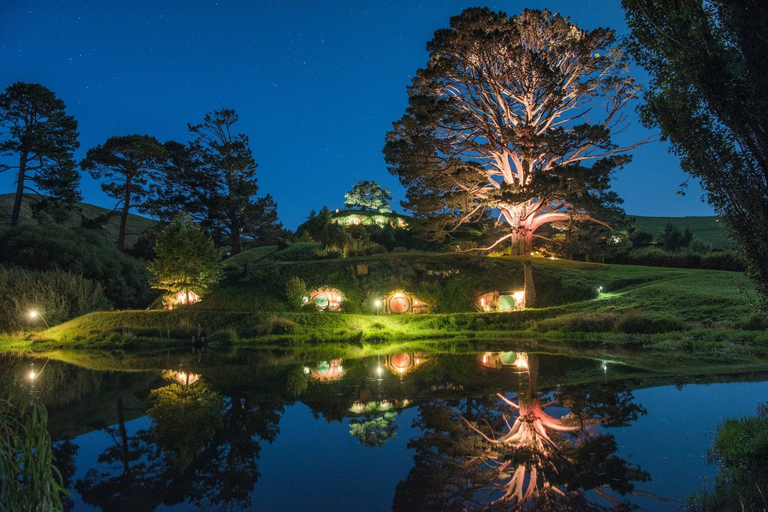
x=317, y=84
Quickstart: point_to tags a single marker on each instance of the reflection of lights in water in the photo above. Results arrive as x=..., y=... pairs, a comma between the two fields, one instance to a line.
x=406, y=402
x=400, y=370
x=306, y=370
x=32, y=375
x=605, y=367
x=522, y=361
x=378, y=370
x=183, y=377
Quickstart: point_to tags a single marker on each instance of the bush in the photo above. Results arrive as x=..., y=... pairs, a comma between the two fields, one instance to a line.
x=125, y=280
x=278, y=325
x=295, y=291
x=59, y=296
x=637, y=323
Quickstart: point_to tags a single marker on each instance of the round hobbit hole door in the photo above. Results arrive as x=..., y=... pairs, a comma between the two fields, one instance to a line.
x=399, y=305
x=509, y=357
x=323, y=367
x=321, y=301
x=401, y=361
x=506, y=303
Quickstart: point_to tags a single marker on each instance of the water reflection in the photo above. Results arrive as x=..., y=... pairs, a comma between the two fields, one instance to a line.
x=499, y=429
x=505, y=452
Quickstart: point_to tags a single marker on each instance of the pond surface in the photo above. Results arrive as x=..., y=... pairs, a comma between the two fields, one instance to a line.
x=267, y=430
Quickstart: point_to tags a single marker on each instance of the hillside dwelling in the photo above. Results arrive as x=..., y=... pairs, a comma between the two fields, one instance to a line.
x=502, y=301
x=182, y=377
x=180, y=298
x=497, y=360
x=327, y=371
x=326, y=299
x=402, y=363
x=400, y=302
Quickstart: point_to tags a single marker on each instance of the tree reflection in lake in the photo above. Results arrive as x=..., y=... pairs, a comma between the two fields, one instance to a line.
x=510, y=453
x=201, y=447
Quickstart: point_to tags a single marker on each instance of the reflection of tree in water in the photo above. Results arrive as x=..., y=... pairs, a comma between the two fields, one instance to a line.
x=502, y=453
x=201, y=447
x=374, y=431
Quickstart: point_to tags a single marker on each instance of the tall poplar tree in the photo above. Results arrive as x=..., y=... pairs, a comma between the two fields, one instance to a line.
x=708, y=96
x=44, y=138
x=127, y=163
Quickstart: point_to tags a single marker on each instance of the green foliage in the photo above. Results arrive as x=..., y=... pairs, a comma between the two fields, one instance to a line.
x=28, y=478
x=125, y=280
x=296, y=291
x=185, y=259
x=707, y=95
x=57, y=295
x=126, y=164
x=373, y=432
x=368, y=195
x=740, y=449
x=672, y=239
x=334, y=235
x=185, y=418
x=44, y=138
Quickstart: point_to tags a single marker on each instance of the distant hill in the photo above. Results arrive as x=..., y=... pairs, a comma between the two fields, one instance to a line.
x=707, y=229
x=136, y=223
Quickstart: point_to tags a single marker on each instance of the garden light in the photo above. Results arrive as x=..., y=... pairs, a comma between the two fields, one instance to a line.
x=33, y=314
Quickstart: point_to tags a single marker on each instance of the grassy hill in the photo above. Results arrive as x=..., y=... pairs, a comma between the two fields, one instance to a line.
x=707, y=229
x=135, y=226
x=680, y=309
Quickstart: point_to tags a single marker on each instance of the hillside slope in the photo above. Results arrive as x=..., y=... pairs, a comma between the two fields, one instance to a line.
x=706, y=229
x=135, y=226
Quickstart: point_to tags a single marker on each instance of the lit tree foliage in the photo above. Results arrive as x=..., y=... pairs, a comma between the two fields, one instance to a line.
x=127, y=164
x=186, y=259
x=44, y=138
x=368, y=195
x=708, y=96
x=374, y=431
x=503, y=120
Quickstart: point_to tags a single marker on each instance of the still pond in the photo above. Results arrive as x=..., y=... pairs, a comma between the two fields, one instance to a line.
x=271, y=430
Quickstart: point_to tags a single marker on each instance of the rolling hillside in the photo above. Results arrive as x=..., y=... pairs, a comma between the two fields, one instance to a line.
x=706, y=229
x=136, y=223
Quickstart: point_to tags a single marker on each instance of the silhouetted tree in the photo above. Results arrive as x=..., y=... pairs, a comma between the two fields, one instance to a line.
x=707, y=95
x=127, y=163
x=44, y=138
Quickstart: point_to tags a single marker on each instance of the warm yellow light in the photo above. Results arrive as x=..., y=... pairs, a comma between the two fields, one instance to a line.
x=33, y=314
x=521, y=361
x=378, y=303
x=418, y=361
x=378, y=370
x=32, y=375
x=519, y=295
x=482, y=302
x=415, y=303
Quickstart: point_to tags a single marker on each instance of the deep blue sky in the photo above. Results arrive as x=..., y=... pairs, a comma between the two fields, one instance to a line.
x=317, y=84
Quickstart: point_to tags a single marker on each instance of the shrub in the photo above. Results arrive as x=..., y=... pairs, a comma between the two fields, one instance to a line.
x=279, y=325
x=125, y=280
x=59, y=296
x=637, y=323
x=295, y=291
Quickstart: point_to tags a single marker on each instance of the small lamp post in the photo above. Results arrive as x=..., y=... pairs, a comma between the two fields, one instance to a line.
x=378, y=305
x=33, y=314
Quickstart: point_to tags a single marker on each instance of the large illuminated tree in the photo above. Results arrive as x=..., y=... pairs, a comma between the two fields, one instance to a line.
x=504, y=453
x=504, y=120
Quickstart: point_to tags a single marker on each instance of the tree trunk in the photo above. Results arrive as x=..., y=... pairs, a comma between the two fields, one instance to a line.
x=530, y=289
x=124, y=216
x=234, y=241
x=123, y=434
x=19, y=191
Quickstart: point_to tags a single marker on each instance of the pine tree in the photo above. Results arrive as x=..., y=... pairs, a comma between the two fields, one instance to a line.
x=44, y=138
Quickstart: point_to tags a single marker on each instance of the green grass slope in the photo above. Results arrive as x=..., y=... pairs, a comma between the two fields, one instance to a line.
x=697, y=310
x=707, y=229
x=135, y=226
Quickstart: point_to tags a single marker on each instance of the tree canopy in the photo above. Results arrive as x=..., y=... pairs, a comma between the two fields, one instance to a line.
x=368, y=195
x=186, y=259
x=503, y=120
x=127, y=163
x=707, y=95
x=44, y=138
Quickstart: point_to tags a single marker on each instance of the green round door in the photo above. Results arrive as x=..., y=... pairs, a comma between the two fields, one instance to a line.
x=506, y=303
